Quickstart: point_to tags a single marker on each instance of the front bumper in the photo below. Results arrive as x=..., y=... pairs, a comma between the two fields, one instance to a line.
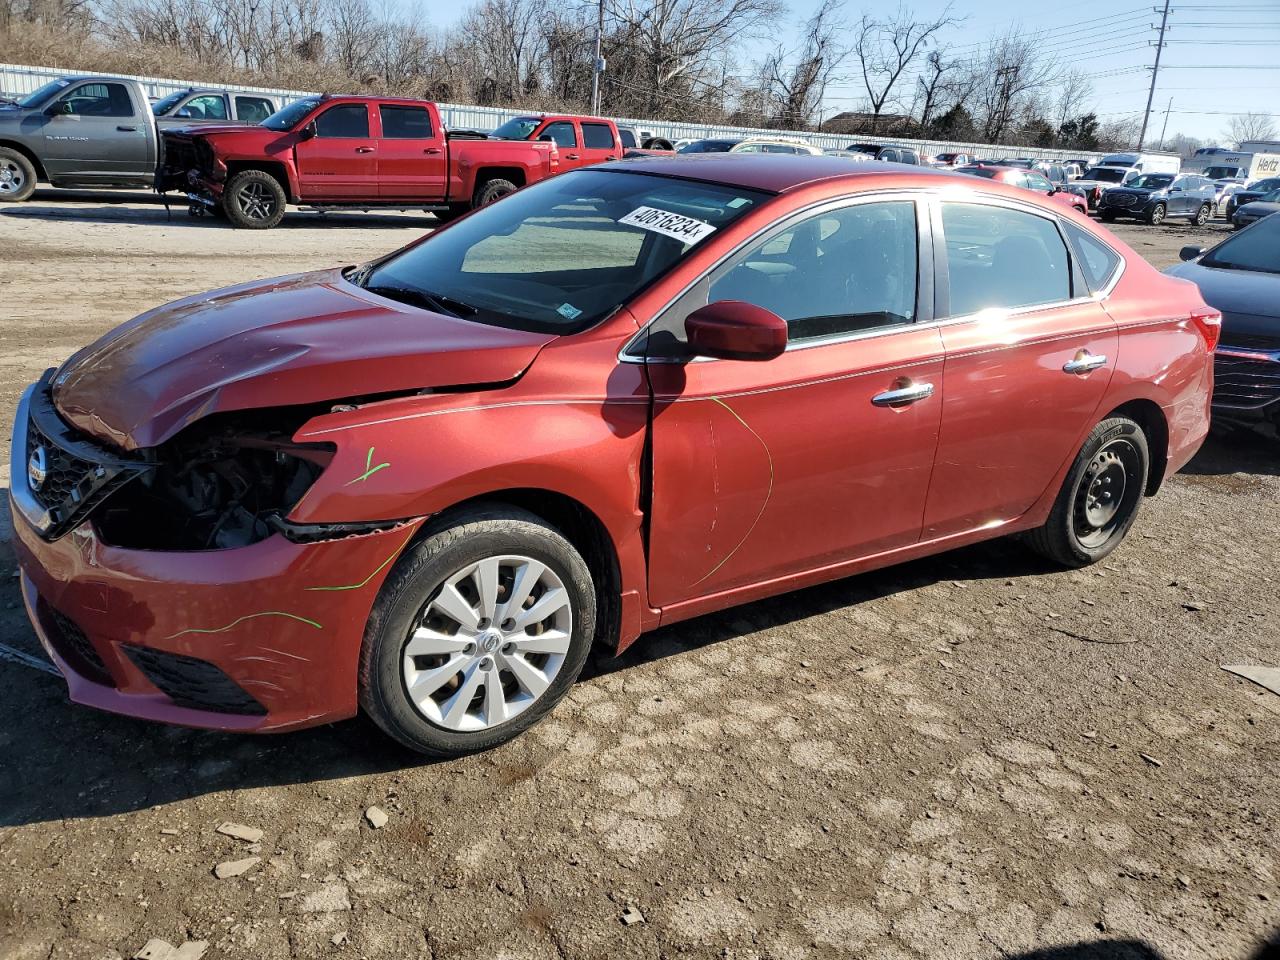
x=1246, y=384
x=255, y=638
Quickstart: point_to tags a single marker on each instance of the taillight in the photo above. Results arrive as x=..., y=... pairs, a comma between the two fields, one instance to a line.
x=1209, y=323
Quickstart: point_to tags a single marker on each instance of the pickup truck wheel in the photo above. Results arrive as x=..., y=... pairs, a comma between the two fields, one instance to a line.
x=17, y=176
x=254, y=199
x=493, y=190
x=480, y=629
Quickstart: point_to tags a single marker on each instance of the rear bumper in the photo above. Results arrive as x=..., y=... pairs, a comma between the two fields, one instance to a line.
x=258, y=638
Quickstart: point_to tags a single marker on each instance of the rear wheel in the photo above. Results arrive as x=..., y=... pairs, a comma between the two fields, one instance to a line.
x=17, y=176
x=492, y=190
x=1202, y=215
x=1100, y=497
x=478, y=632
x=1157, y=214
x=254, y=200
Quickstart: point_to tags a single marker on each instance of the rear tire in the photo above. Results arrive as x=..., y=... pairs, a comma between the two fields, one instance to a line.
x=1100, y=496
x=463, y=641
x=492, y=190
x=254, y=200
x=17, y=177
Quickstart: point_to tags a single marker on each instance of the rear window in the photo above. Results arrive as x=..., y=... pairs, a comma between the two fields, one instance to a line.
x=1097, y=261
x=998, y=257
x=562, y=254
x=627, y=137
x=597, y=136
x=253, y=109
x=405, y=123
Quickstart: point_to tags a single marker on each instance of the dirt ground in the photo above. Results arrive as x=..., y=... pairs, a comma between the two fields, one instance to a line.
x=967, y=756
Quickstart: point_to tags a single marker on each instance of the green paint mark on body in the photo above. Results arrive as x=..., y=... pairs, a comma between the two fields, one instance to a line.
x=382, y=566
x=240, y=620
x=369, y=468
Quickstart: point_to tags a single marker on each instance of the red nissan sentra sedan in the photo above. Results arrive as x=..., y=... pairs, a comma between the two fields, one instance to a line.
x=614, y=400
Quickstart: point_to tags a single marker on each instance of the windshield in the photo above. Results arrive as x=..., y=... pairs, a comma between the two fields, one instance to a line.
x=1257, y=248
x=709, y=146
x=1265, y=186
x=518, y=129
x=989, y=172
x=161, y=107
x=48, y=90
x=1151, y=181
x=1221, y=173
x=1104, y=175
x=1272, y=197
x=286, y=118
x=562, y=254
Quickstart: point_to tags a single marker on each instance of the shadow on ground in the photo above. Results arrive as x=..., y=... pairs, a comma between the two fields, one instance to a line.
x=1237, y=448
x=1129, y=950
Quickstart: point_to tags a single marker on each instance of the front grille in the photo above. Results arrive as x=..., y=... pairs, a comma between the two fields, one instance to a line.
x=1121, y=200
x=78, y=473
x=73, y=645
x=1245, y=383
x=194, y=683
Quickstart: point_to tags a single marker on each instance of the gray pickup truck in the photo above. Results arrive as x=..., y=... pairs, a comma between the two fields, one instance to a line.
x=102, y=132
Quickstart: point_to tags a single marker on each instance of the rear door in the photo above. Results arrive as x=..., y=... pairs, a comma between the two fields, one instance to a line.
x=1029, y=354
x=341, y=160
x=765, y=470
x=412, y=162
x=598, y=144
x=96, y=132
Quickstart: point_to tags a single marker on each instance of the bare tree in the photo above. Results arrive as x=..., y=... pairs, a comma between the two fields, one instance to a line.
x=1075, y=90
x=1012, y=74
x=1250, y=126
x=796, y=81
x=886, y=48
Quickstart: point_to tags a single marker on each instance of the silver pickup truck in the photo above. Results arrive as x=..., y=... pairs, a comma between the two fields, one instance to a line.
x=102, y=131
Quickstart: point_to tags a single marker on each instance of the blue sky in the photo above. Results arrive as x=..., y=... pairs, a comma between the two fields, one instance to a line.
x=1210, y=43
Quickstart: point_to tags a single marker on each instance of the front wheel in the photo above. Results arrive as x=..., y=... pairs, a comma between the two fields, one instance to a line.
x=1157, y=214
x=1202, y=215
x=1100, y=497
x=481, y=628
x=254, y=200
x=17, y=176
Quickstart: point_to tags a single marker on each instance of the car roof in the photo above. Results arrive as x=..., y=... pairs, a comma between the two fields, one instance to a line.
x=775, y=172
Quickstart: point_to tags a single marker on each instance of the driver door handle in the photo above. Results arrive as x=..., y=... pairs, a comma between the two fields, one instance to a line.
x=903, y=395
x=431, y=150
x=572, y=156
x=1085, y=362
x=364, y=149
x=125, y=128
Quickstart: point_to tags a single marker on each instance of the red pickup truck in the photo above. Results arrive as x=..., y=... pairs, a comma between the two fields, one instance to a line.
x=346, y=152
x=582, y=141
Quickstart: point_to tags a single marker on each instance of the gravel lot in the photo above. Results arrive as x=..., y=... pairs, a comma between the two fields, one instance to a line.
x=967, y=756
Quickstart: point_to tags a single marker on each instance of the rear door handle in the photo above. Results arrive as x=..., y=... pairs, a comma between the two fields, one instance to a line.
x=364, y=149
x=1085, y=362
x=431, y=150
x=903, y=395
x=127, y=129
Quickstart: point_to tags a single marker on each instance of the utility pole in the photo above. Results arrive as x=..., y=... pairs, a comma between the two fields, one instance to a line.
x=1155, y=70
x=597, y=68
x=1165, y=128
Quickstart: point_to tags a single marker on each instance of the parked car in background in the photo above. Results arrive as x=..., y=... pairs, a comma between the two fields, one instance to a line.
x=1029, y=180
x=1254, y=191
x=1096, y=180
x=846, y=154
x=710, y=145
x=581, y=141
x=952, y=160
x=887, y=152
x=438, y=479
x=642, y=140
x=1241, y=278
x=1264, y=206
x=359, y=152
x=1155, y=196
x=783, y=145
x=91, y=132
x=1143, y=162
x=202, y=105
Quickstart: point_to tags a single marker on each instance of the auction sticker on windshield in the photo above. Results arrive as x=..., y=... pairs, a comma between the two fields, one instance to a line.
x=674, y=225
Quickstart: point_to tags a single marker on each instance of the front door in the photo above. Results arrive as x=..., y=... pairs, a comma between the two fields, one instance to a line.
x=1029, y=356
x=341, y=160
x=412, y=162
x=761, y=470
x=565, y=135
x=94, y=132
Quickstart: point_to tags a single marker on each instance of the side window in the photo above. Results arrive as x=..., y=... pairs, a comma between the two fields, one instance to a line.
x=597, y=136
x=97, y=100
x=208, y=107
x=253, y=109
x=405, y=123
x=344, y=120
x=1097, y=261
x=627, y=137
x=833, y=273
x=748, y=148
x=562, y=133
x=1037, y=182
x=1000, y=257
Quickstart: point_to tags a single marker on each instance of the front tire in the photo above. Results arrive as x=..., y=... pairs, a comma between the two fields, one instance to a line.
x=1100, y=497
x=254, y=200
x=1202, y=215
x=1157, y=215
x=480, y=629
x=17, y=177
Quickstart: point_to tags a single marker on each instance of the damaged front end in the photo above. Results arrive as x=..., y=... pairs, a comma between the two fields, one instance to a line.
x=189, y=165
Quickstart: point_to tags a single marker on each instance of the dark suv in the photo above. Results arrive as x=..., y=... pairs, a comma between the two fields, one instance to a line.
x=1155, y=196
x=1252, y=192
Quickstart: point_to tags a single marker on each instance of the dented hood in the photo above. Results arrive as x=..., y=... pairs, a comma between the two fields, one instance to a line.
x=302, y=339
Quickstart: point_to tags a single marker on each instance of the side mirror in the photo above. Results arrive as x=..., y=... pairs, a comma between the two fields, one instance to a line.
x=1190, y=252
x=307, y=132
x=1175, y=189
x=546, y=138
x=734, y=330
x=184, y=112
x=60, y=109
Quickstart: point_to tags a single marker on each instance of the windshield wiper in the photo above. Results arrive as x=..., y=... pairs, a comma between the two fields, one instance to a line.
x=420, y=298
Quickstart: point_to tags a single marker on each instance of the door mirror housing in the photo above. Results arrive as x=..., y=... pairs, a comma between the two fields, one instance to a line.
x=184, y=112
x=734, y=330
x=61, y=108
x=546, y=138
x=1190, y=252
x=308, y=132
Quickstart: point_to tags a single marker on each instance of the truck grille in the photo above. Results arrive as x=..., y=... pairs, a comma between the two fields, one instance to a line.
x=1246, y=382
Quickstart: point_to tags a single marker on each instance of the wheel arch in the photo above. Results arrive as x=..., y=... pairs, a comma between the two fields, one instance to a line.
x=1148, y=415
x=484, y=174
x=26, y=151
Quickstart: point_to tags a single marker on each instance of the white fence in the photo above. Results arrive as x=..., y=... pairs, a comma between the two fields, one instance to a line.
x=17, y=80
